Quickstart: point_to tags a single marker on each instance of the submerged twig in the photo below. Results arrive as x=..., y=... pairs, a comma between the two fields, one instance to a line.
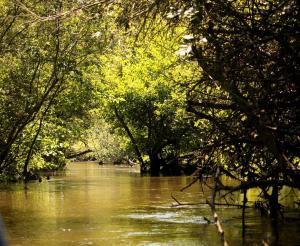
x=190, y=184
x=211, y=203
x=174, y=198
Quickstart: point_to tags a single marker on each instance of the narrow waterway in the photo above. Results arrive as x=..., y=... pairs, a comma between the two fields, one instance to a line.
x=108, y=205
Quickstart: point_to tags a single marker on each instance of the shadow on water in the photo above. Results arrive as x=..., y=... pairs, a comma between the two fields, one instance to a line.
x=109, y=205
x=2, y=233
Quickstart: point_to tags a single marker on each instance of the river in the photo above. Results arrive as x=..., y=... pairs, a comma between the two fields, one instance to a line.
x=109, y=205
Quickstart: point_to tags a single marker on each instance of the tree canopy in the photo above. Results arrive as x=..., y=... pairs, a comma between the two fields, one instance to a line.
x=42, y=64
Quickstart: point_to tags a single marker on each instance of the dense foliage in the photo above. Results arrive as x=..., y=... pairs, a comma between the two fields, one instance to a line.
x=246, y=101
x=41, y=84
x=144, y=102
x=248, y=52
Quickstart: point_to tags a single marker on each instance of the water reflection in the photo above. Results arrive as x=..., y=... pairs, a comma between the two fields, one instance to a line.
x=106, y=205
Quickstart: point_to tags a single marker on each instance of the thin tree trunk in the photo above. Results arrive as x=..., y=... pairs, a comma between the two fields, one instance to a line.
x=28, y=158
x=273, y=202
x=132, y=139
x=243, y=213
x=29, y=154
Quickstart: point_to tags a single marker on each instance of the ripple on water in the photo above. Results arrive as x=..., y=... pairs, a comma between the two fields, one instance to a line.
x=168, y=217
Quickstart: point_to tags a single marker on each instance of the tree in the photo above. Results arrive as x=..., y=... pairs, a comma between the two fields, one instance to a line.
x=248, y=52
x=143, y=99
x=41, y=51
x=246, y=100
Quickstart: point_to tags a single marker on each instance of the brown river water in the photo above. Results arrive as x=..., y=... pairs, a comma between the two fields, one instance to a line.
x=108, y=205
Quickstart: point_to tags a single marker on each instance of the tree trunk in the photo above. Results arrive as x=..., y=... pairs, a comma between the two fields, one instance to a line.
x=154, y=165
x=132, y=139
x=243, y=214
x=273, y=203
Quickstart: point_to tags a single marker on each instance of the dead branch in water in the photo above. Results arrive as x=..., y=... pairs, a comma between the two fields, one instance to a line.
x=212, y=204
x=79, y=154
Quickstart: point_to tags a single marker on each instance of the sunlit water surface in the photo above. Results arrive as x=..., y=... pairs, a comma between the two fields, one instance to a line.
x=108, y=205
